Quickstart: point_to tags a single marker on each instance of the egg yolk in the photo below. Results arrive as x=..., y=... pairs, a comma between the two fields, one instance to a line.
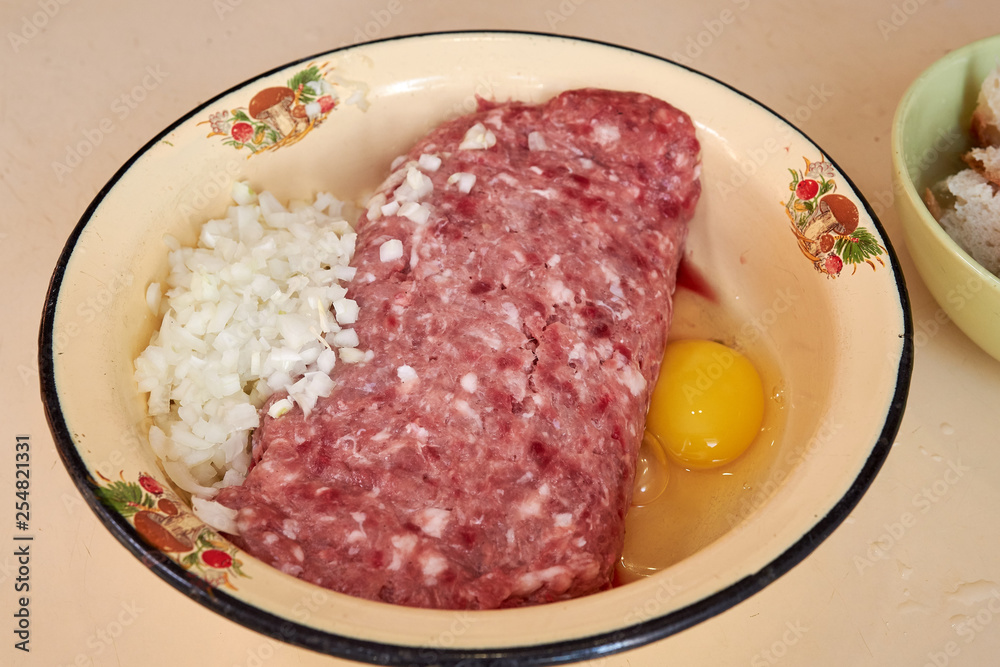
x=708, y=404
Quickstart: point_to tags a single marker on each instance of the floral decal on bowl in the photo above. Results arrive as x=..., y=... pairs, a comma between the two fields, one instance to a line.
x=826, y=223
x=165, y=523
x=280, y=115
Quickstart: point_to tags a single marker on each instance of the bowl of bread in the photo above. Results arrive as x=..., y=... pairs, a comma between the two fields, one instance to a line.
x=946, y=174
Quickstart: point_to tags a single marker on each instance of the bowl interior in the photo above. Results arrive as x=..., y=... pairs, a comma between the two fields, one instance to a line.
x=826, y=337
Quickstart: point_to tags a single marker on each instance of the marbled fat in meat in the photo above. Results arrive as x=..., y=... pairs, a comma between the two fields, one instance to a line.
x=533, y=312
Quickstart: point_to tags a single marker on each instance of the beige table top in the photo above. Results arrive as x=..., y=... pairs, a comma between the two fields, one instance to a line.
x=877, y=592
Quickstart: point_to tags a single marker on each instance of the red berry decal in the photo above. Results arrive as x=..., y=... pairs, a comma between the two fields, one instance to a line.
x=833, y=265
x=326, y=103
x=806, y=189
x=242, y=132
x=217, y=559
x=150, y=484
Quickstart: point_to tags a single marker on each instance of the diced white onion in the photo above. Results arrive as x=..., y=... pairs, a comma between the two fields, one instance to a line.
x=280, y=407
x=414, y=187
x=346, y=311
x=391, y=250
x=375, y=205
x=351, y=355
x=478, y=137
x=244, y=313
x=429, y=162
x=464, y=181
x=215, y=514
x=153, y=296
x=418, y=213
x=346, y=338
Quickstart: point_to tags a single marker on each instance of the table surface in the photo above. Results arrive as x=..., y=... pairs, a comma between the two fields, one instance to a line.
x=877, y=592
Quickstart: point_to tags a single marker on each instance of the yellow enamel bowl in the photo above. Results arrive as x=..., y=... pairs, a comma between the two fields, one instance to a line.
x=930, y=132
x=831, y=312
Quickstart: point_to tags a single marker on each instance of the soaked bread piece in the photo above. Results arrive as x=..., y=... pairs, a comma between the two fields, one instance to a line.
x=968, y=204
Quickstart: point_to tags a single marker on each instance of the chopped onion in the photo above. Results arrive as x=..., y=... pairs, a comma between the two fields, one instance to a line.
x=351, y=355
x=418, y=213
x=464, y=181
x=391, y=250
x=346, y=311
x=215, y=514
x=536, y=142
x=153, y=296
x=346, y=338
x=245, y=313
x=429, y=162
x=478, y=137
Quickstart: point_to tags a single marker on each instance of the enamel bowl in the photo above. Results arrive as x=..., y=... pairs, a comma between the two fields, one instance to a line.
x=930, y=133
x=804, y=279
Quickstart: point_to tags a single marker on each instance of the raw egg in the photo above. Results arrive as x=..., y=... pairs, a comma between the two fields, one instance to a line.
x=708, y=404
x=651, y=472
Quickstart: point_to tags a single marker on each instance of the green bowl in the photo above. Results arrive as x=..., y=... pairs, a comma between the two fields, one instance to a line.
x=929, y=136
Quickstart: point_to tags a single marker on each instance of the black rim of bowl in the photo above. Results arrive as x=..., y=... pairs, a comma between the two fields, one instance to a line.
x=559, y=652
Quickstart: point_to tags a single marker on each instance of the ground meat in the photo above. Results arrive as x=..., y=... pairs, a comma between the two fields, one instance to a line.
x=484, y=456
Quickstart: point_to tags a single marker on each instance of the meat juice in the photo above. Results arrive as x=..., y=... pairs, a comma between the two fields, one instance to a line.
x=700, y=506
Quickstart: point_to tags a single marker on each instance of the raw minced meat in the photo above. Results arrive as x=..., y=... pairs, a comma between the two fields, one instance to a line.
x=484, y=456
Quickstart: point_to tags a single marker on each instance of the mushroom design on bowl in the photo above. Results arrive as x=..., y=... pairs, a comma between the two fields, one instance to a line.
x=281, y=115
x=162, y=519
x=826, y=224
x=274, y=106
